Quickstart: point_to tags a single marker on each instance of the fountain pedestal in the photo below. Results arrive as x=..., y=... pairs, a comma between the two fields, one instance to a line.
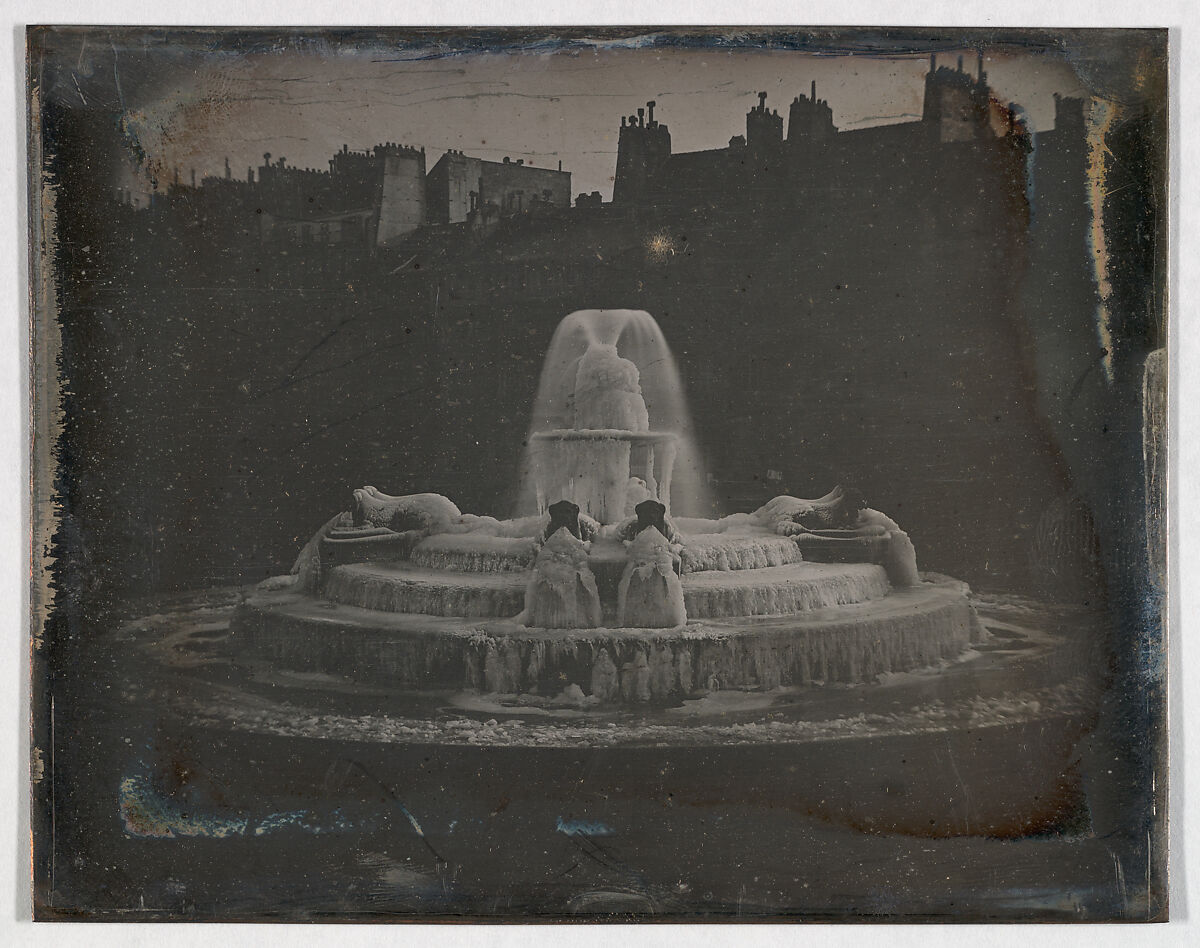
x=592, y=467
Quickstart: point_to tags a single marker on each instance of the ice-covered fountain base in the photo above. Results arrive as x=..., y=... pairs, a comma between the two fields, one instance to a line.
x=907, y=629
x=774, y=590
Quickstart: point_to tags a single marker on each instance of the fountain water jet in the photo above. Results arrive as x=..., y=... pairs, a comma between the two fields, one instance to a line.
x=588, y=435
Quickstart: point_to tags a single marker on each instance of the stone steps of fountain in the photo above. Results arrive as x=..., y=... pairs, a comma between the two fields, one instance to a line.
x=908, y=629
x=778, y=590
x=478, y=553
x=781, y=590
x=405, y=587
x=474, y=553
x=724, y=551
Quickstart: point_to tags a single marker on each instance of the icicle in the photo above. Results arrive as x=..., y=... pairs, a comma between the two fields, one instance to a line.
x=635, y=679
x=606, y=683
x=719, y=551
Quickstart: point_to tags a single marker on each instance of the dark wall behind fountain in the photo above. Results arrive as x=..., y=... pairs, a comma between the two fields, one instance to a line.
x=916, y=334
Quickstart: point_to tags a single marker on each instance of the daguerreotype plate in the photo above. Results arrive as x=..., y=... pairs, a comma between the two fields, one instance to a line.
x=527, y=474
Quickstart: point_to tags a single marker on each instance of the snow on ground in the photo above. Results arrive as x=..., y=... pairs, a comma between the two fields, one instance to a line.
x=288, y=720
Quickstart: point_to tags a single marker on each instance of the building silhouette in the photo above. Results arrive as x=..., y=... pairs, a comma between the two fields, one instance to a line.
x=369, y=199
x=459, y=185
x=383, y=196
x=959, y=113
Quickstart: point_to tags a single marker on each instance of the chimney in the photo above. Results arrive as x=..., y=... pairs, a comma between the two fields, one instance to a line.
x=249, y=175
x=650, y=110
x=980, y=69
x=560, y=164
x=641, y=117
x=622, y=121
x=933, y=62
x=762, y=102
x=813, y=93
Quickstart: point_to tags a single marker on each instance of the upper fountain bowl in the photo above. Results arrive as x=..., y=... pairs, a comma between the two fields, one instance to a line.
x=610, y=394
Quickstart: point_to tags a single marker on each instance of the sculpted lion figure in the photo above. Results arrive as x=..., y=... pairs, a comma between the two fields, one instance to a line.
x=429, y=513
x=788, y=516
x=842, y=515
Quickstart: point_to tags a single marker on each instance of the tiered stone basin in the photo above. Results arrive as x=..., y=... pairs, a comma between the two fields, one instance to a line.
x=442, y=620
x=774, y=590
x=849, y=643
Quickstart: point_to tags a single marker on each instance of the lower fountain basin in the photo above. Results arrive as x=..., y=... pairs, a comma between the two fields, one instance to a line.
x=907, y=629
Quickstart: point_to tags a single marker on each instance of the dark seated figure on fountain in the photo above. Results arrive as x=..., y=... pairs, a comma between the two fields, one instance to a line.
x=652, y=513
x=565, y=514
x=562, y=592
x=649, y=513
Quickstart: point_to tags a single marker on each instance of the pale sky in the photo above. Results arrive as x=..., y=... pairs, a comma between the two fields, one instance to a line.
x=540, y=106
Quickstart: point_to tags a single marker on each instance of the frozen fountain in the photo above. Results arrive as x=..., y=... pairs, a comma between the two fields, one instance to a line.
x=611, y=586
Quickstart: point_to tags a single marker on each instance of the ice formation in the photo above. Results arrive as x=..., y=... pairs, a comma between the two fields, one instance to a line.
x=474, y=554
x=650, y=595
x=715, y=551
x=782, y=590
x=855, y=643
x=427, y=512
x=610, y=416
x=592, y=462
x=901, y=558
x=404, y=588
x=307, y=568
x=562, y=591
x=607, y=392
